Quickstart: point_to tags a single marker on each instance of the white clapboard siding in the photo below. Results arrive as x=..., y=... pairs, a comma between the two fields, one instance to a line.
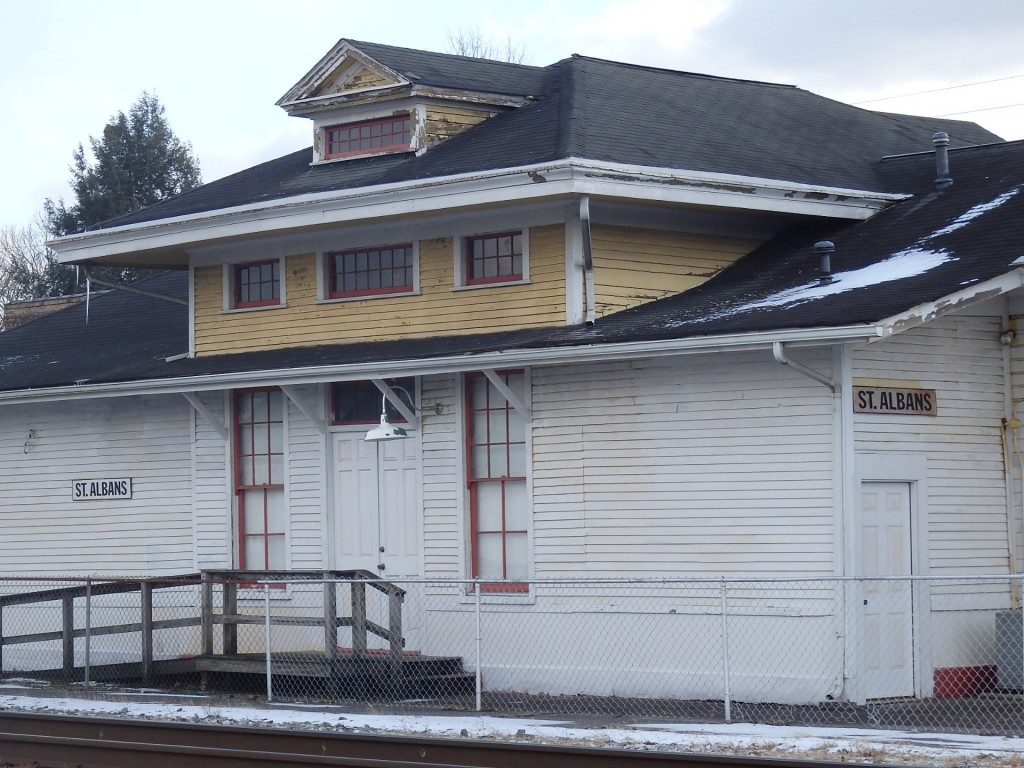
x=961, y=358
x=212, y=479
x=695, y=466
x=146, y=439
x=1017, y=456
x=304, y=485
x=442, y=476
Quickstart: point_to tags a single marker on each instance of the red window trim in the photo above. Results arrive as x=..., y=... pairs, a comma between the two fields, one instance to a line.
x=236, y=285
x=240, y=488
x=467, y=259
x=408, y=288
x=328, y=155
x=507, y=587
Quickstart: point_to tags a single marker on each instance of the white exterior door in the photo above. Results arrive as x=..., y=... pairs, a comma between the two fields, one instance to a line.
x=377, y=526
x=888, y=611
x=376, y=500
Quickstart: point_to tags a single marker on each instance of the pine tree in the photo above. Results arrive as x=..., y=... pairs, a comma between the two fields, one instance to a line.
x=138, y=161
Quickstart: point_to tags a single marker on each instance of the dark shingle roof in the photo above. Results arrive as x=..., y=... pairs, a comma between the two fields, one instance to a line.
x=445, y=70
x=127, y=336
x=611, y=112
x=920, y=250
x=917, y=251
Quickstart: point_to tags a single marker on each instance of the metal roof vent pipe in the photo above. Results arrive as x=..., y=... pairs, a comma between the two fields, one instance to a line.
x=942, y=177
x=824, y=249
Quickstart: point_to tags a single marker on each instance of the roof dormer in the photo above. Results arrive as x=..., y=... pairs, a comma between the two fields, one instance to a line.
x=344, y=75
x=367, y=99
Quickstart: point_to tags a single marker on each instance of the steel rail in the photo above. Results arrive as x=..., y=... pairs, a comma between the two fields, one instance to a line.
x=60, y=741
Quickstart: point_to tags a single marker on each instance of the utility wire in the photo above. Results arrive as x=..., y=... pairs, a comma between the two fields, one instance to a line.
x=937, y=90
x=986, y=109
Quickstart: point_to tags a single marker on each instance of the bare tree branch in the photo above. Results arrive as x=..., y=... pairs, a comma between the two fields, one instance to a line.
x=470, y=41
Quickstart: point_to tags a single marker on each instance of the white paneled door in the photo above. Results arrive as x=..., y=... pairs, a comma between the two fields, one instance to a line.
x=377, y=526
x=376, y=500
x=888, y=611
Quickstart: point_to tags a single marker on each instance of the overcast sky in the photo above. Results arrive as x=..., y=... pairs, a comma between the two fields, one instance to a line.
x=218, y=66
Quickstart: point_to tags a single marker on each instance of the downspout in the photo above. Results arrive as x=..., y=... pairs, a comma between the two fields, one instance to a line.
x=588, y=259
x=779, y=352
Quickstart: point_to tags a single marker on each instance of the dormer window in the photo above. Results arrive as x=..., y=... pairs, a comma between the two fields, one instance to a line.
x=367, y=137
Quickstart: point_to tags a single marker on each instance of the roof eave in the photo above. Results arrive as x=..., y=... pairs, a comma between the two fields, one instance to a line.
x=513, y=358
x=952, y=303
x=559, y=179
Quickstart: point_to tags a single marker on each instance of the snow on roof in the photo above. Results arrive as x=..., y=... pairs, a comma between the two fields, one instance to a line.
x=909, y=262
x=972, y=213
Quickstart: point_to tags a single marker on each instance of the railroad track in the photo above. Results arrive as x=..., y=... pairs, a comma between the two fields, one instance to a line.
x=61, y=741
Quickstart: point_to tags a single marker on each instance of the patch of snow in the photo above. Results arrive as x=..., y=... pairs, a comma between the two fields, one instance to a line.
x=967, y=216
x=849, y=744
x=909, y=262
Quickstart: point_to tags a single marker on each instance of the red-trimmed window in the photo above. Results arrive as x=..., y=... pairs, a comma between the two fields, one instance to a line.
x=496, y=476
x=257, y=284
x=369, y=136
x=494, y=258
x=359, y=402
x=370, y=271
x=259, y=479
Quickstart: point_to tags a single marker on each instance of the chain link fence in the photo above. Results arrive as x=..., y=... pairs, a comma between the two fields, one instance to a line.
x=925, y=654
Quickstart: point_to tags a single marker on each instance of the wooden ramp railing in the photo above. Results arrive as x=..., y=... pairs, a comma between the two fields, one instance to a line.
x=210, y=614
x=356, y=580
x=87, y=590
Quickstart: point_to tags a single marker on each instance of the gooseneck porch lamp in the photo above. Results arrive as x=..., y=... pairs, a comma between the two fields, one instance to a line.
x=386, y=430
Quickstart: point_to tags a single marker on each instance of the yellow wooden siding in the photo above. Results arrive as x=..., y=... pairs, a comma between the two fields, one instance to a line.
x=447, y=121
x=340, y=82
x=634, y=266
x=366, y=79
x=436, y=310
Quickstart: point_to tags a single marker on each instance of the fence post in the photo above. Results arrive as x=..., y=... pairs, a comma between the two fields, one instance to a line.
x=207, y=618
x=266, y=634
x=727, y=698
x=68, y=631
x=479, y=659
x=230, y=628
x=395, y=659
x=330, y=621
x=358, y=588
x=146, y=604
x=88, y=629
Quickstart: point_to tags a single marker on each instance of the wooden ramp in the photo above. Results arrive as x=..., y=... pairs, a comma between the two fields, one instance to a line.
x=358, y=672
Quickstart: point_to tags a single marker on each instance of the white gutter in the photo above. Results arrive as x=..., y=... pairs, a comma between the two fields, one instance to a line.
x=516, y=358
x=563, y=178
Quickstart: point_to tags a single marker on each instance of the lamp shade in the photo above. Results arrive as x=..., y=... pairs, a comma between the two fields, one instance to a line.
x=385, y=431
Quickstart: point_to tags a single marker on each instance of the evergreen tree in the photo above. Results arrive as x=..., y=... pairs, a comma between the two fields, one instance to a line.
x=138, y=161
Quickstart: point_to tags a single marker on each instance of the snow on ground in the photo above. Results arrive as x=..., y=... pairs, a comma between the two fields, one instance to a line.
x=849, y=745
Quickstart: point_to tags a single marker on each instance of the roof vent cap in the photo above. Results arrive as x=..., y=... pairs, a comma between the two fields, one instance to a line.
x=942, y=177
x=824, y=249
